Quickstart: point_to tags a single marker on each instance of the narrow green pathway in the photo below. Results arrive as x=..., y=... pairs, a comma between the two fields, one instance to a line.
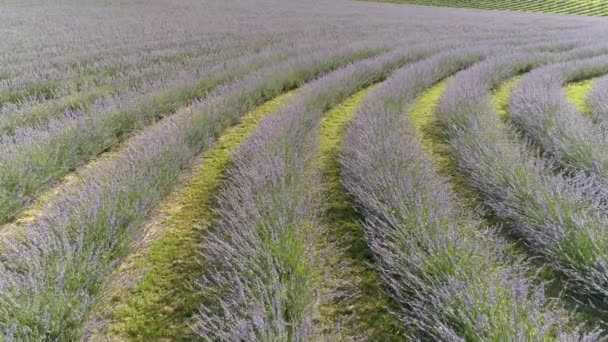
x=431, y=136
x=500, y=96
x=361, y=309
x=160, y=303
x=422, y=118
x=577, y=92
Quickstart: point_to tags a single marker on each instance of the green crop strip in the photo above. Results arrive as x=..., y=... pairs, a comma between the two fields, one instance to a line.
x=586, y=7
x=365, y=310
x=163, y=300
x=576, y=93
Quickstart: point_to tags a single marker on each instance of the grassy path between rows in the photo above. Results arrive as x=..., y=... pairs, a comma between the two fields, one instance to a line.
x=424, y=122
x=361, y=310
x=577, y=92
x=432, y=139
x=500, y=97
x=160, y=302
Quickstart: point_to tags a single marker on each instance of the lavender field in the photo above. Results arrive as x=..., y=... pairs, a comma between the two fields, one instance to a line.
x=282, y=170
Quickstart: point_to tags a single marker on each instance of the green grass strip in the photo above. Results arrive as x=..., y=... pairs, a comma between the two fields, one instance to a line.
x=364, y=312
x=422, y=118
x=431, y=135
x=577, y=92
x=160, y=304
x=500, y=97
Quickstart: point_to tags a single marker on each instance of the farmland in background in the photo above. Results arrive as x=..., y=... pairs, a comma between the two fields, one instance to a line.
x=274, y=170
x=579, y=7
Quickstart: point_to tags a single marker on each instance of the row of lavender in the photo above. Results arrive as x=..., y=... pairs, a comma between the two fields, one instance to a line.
x=52, y=274
x=264, y=253
x=427, y=249
x=554, y=204
x=263, y=256
x=556, y=214
x=36, y=156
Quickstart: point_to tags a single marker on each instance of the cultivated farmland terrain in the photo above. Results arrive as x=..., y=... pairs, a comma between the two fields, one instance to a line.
x=282, y=170
x=580, y=7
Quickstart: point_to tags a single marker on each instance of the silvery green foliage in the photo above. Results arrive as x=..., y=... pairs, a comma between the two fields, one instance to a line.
x=50, y=277
x=262, y=281
x=552, y=213
x=78, y=78
x=427, y=251
x=540, y=109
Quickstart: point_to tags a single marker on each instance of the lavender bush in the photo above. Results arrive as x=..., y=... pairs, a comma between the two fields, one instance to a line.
x=49, y=278
x=596, y=100
x=263, y=254
x=551, y=213
x=539, y=108
x=158, y=81
x=427, y=249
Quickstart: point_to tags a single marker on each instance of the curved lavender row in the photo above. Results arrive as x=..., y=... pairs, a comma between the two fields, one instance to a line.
x=184, y=68
x=540, y=109
x=428, y=252
x=27, y=166
x=262, y=255
x=24, y=113
x=597, y=102
x=29, y=113
x=166, y=93
x=61, y=58
x=37, y=88
x=551, y=213
x=107, y=69
x=235, y=248
x=51, y=276
x=34, y=157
